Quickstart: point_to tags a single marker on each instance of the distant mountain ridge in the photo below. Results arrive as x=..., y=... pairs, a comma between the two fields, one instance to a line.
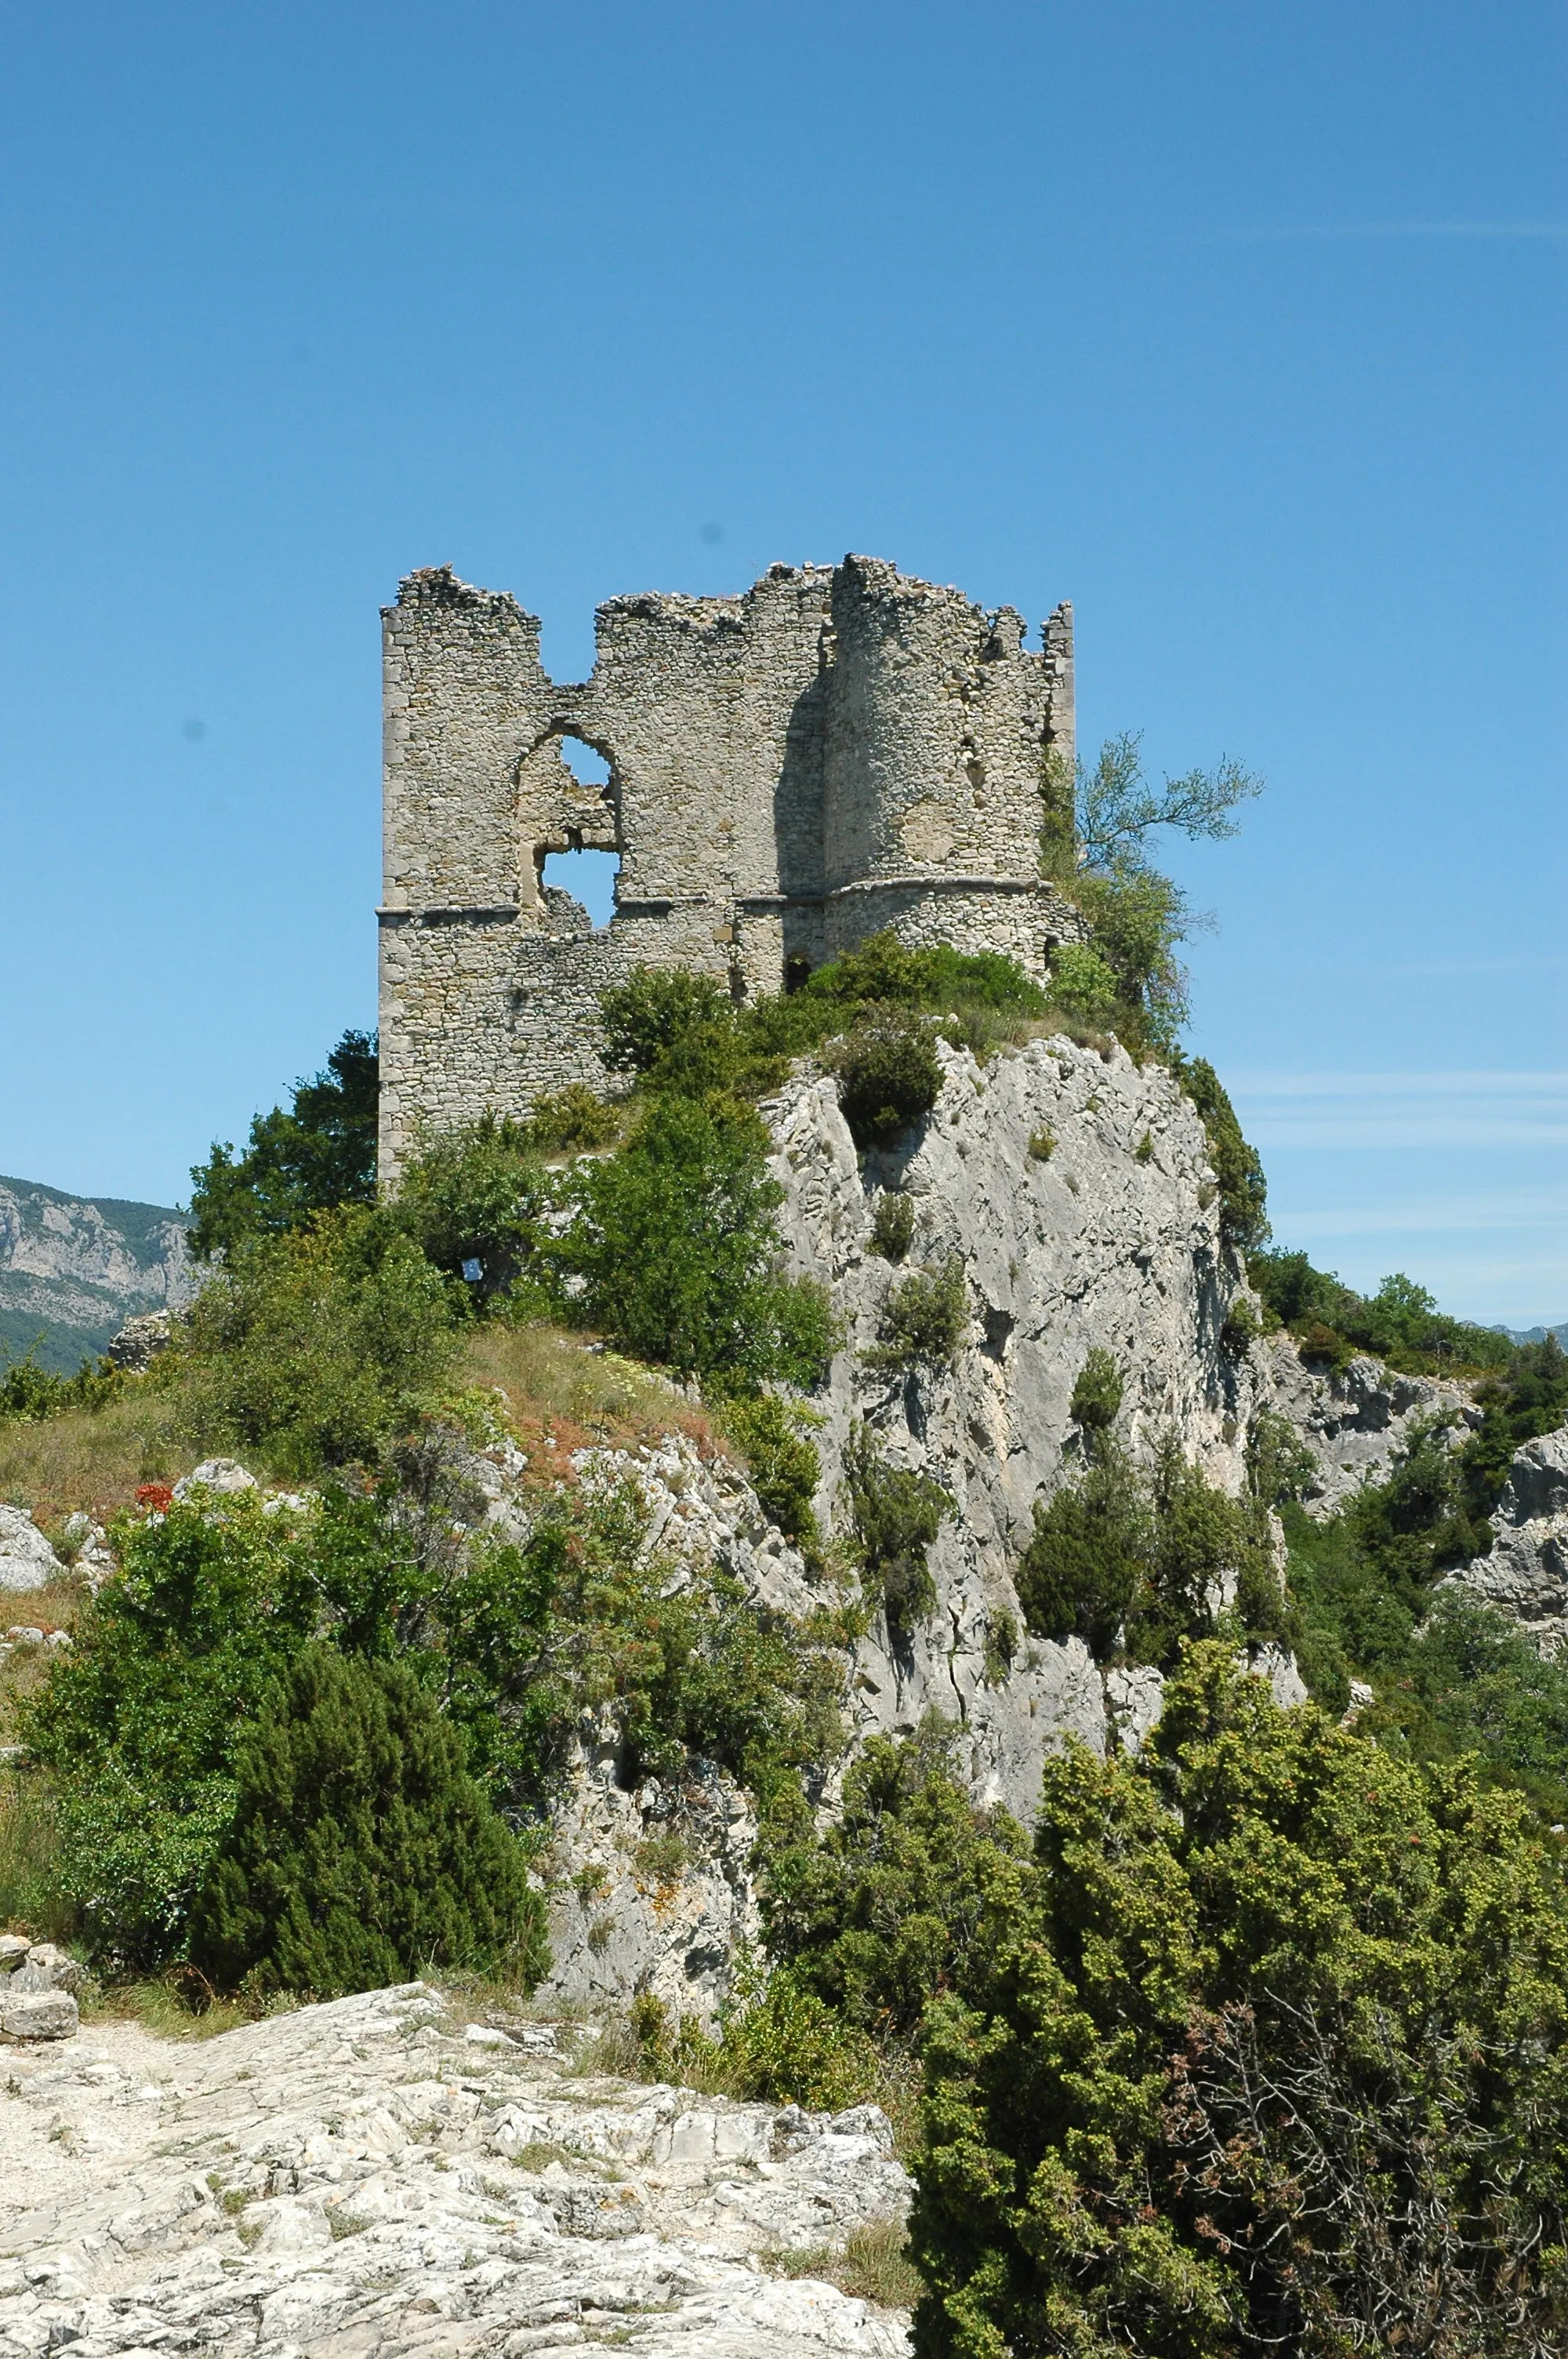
x=1536, y=1334
x=74, y=1268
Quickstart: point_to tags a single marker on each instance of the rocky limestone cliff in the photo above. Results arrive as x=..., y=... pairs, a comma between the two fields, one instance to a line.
x=1526, y=1573
x=76, y=1269
x=1356, y=1420
x=1112, y=1238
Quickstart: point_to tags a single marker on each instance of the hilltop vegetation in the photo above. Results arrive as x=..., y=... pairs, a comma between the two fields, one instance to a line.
x=1256, y=2040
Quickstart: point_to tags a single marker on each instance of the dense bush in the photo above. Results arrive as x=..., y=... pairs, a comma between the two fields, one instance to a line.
x=317, y=1347
x=29, y=1394
x=1401, y=1323
x=1265, y=2048
x=1121, y=1557
x=781, y=2042
x=881, y=1911
x=925, y=1320
x=895, y=1515
x=783, y=1465
x=892, y=1224
x=319, y=1154
x=477, y=1205
x=1243, y=1190
x=888, y=1078
x=1097, y=1392
x=572, y=1119
x=138, y=1721
x=674, y=1242
x=360, y=1852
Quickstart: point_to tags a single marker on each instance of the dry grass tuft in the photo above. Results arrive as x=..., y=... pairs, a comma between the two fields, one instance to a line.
x=872, y=2264
x=93, y=1459
x=178, y=2004
x=563, y=1396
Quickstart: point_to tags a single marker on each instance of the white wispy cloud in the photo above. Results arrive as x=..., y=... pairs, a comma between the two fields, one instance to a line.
x=1326, y=1110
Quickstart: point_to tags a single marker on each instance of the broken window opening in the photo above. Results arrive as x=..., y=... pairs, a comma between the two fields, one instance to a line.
x=588, y=876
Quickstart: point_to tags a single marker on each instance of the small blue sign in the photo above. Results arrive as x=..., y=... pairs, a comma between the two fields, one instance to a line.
x=473, y=1271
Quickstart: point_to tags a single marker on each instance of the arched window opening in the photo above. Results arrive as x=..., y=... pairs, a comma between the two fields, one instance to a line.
x=588, y=874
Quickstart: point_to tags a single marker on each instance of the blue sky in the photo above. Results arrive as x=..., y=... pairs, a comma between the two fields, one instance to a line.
x=1241, y=326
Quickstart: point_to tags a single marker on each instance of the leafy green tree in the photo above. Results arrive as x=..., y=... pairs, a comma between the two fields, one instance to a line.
x=1095, y=843
x=360, y=1852
x=675, y=1245
x=925, y=1320
x=318, y=1154
x=319, y=1346
x=1267, y=2047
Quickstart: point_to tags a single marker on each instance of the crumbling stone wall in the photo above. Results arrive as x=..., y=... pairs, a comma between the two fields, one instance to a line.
x=841, y=749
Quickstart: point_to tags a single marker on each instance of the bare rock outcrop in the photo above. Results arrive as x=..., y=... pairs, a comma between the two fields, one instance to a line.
x=1356, y=1420
x=1526, y=1573
x=373, y=2177
x=1076, y=1191
x=26, y=1559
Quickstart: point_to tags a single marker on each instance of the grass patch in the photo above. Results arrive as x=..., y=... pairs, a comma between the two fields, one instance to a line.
x=556, y=1386
x=95, y=1459
x=872, y=2265
x=180, y=2004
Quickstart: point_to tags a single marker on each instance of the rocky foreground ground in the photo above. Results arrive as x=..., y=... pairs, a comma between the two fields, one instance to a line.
x=374, y=2177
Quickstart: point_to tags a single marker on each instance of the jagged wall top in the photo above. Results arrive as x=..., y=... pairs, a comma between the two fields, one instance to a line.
x=840, y=748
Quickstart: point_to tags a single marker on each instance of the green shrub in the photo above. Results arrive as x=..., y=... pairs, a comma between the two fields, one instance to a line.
x=892, y=1225
x=925, y=1320
x=673, y=1241
x=895, y=1515
x=1118, y=1557
x=1089, y=1554
x=319, y=1154
x=1265, y=2045
x=878, y=1913
x=1243, y=1190
x=138, y=1721
x=1084, y=984
x=317, y=1347
x=1042, y=1146
x=1144, y=1150
x=888, y=1078
x=477, y=1205
x=784, y=1467
x=360, y=1852
x=1280, y=1466
x=29, y=1394
x=572, y=1118
x=1241, y=1328
x=1097, y=1395
x=654, y=1010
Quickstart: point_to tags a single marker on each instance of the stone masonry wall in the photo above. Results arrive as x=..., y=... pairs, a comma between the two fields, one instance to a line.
x=838, y=750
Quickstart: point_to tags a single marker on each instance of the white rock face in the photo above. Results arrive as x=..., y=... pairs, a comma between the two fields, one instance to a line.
x=1356, y=1420
x=222, y=1476
x=26, y=1559
x=1526, y=1574
x=361, y=2179
x=1110, y=1239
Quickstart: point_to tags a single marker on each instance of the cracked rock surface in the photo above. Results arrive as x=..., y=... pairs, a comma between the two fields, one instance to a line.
x=371, y=2178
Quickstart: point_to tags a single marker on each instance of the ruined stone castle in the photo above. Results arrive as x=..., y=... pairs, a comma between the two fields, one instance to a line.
x=841, y=749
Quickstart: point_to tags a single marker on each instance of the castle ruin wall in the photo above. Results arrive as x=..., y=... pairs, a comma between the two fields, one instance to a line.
x=839, y=750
